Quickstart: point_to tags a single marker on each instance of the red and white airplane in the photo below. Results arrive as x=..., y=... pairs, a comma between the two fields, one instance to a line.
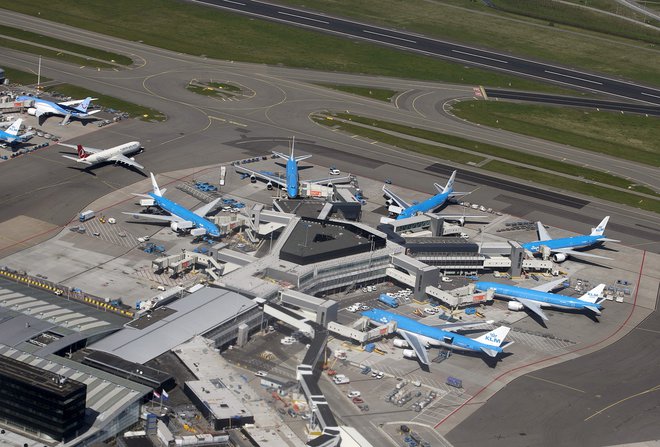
x=117, y=154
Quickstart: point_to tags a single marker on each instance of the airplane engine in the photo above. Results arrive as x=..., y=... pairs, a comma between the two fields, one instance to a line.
x=559, y=257
x=388, y=202
x=515, y=305
x=174, y=226
x=329, y=185
x=409, y=353
x=253, y=179
x=461, y=221
x=32, y=111
x=269, y=185
x=401, y=344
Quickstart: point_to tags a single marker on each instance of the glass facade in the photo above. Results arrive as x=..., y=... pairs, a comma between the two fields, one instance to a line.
x=39, y=401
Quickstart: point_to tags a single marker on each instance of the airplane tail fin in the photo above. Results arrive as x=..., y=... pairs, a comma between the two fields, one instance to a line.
x=84, y=105
x=600, y=229
x=15, y=127
x=81, y=152
x=450, y=183
x=594, y=294
x=495, y=337
x=157, y=190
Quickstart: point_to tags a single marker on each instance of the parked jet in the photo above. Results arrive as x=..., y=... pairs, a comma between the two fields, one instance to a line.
x=539, y=297
x=563, y=247
x=68, y=109
x=418, y=336
x=404, y=210
x=292, y=180
x=11, y=134
x=117, y=154
x=180, y=218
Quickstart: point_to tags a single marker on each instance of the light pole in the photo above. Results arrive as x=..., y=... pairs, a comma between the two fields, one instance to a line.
x=307, y=231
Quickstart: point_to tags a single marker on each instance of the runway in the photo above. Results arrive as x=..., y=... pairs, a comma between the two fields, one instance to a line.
x=202, y=131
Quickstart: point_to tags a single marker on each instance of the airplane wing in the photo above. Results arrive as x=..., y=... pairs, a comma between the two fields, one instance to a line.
x=417, y=345
x=204, y=209
x=451, y=327
x=324, y=181
x=125, y=160
x=533, y=306
x=75, y=102
x=398, y=200
x=262, y=175
x=89, y=150
x=78, y=160
x=547, y=287
x=543, y=233
x=568, y=251
x=156, y=217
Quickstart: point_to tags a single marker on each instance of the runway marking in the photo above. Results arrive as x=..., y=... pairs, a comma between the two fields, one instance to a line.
x=301, y=17
x=648, y=94
x=235, y=3
x=478, y=55
x=555, y=383
x=238, y=124
x=573, y=77
x=650, y=390
x=388, y=36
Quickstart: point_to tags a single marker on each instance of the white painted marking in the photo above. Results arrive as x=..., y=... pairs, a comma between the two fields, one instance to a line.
x=573, y=77
x=388, y=36
x=648, y=94
x=301, y=17
x=478, y=55
x=236, y=3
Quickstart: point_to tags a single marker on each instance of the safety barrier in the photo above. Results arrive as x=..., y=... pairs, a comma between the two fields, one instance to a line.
x=75, y=294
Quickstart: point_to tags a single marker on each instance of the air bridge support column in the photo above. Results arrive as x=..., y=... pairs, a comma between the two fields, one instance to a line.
x=437, y=223
x=517, y=255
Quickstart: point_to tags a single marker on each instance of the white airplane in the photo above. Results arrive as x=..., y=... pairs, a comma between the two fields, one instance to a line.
x=117, y=154
x=76, y=108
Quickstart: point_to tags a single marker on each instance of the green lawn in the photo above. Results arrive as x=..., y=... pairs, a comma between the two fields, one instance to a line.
x=526, y=173
x=221, y=35
x=22, y=77
x=380, y=94
x=630, y=137
x=52, y=54
x=134, y=110
x=65, y=45
x=472, y=22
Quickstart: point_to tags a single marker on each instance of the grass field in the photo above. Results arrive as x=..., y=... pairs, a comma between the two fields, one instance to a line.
x=22, y=77
x=380, y=94
x=52, y=54
x=614, y=7
x=541, y=177
x=630, y=137
x=65, y=45
x=472, y=22
x=222, y=35
x=134, y=110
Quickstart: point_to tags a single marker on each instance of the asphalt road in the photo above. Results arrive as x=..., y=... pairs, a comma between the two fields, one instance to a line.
x=575, y=102
x=203, y=131
x=442, y=49
x=609, y=397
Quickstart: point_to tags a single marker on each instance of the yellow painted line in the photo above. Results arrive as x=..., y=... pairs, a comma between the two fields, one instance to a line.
x=217, y=118
x=238, y=124
x=555, y=383
x=650, y=390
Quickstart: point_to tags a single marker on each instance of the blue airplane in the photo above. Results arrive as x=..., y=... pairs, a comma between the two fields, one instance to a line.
x=562, y=247
x=11, y=134
x=68, y=109
x=418, y=335
x=539, y=297
x=180, y=218
x=292, y=180
x=404, y=209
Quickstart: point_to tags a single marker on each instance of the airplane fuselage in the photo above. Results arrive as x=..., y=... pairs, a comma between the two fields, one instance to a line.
x=544, y=299
x=431, y=335
x=122, y=149
x=292, y=178
x=184, y=213
x=427, y=205
x=566, y=242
